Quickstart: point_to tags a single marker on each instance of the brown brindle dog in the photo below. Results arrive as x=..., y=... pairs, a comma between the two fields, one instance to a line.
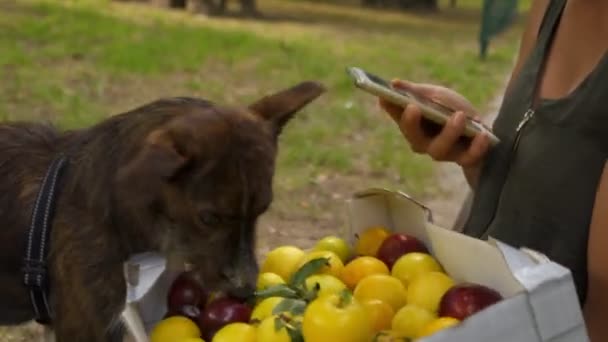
x=178, y=175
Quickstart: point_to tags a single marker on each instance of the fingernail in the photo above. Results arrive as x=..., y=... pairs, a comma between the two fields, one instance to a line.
x=457, y=117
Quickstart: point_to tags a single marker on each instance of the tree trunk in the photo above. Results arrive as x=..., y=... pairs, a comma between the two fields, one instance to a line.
x=207, y=7
x=249, y=8
x=419, y=4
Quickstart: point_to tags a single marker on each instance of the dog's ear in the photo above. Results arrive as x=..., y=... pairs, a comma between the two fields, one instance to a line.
x=280, y=107
x=154, y=164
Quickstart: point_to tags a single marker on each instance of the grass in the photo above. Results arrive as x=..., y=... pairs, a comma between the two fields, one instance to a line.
x=76, y=62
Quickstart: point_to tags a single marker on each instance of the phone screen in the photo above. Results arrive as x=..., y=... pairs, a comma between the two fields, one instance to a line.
x=421, y=99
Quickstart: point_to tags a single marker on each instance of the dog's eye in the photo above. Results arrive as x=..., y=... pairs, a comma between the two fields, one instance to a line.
x=210, y=219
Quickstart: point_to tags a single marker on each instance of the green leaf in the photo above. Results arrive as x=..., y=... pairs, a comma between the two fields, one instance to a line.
x=311, y=295
x=295, y=335
x=308, y=269
x=293, y=306
x=278, y=323
x=280, y=290
x=346, y=297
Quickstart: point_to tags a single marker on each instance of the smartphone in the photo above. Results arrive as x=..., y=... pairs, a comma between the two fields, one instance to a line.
x=435, y=112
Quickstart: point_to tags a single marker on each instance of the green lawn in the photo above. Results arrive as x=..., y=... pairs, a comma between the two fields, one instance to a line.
x=75, y=62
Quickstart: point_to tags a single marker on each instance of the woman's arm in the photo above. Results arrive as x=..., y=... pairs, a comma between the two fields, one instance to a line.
x=596, y=304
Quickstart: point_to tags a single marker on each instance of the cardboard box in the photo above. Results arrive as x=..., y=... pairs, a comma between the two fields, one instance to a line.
x=540, y=302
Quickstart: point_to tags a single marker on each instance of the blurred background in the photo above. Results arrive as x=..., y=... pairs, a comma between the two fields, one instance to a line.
x=76, y=62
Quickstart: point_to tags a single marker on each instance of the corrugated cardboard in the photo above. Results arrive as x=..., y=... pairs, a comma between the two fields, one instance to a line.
x=540, y=302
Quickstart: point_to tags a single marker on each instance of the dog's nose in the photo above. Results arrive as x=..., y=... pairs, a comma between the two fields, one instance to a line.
x=242, y=292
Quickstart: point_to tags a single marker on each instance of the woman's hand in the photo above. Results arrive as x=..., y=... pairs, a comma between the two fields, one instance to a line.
x=445, y=145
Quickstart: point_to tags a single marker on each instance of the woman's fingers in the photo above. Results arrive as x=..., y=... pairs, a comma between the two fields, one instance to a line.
x=445, y=142
x=393, y=110
x=420, y=89
x=477, y=149
x=411, y=129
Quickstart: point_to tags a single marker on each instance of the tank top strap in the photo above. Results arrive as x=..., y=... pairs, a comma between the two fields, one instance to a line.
x=546, y=33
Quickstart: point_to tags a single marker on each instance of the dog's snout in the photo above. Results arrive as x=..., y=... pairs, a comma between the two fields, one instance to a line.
x=244, y=292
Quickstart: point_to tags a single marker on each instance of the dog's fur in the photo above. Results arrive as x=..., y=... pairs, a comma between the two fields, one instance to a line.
x=176, y=175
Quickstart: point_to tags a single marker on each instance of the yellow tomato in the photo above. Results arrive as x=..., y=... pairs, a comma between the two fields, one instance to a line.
x=283, y=261
x=333, y=318
x=192, y=339
x=360, y=268
x=174, y=328
x=389, y=336
x=370, y=240
x=268, y=333
x=328, y=284
x=412, y=264
x=380, y=314
x=437, y=325
x=410, y=320
x=335, y=264
x=384, y=288
x=232, y=332
x=336, y=245
x=268, y=279
x=265, y=307
x=427, y=289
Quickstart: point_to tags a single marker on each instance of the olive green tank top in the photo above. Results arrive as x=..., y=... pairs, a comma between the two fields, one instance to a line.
x=537, y=187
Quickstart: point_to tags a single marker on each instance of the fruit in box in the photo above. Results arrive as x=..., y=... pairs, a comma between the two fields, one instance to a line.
x=283, y=261
x=241, y=332
x=265, y=307
x=369, y=241
x=437, y=325
x=334, y=244
x=380, y=314
x=173, y=329
x=185, y=290
x=333, y=267
x=268, y=279
x=222, y=312
x=361, y=267
x=268, y=332
x=410, y=320
x=397, y=245
x=464, y=300
x=390, y=289
x=413, y=264
x=382, y=287
x=337, y=317
x=327, y=284
x=427, y=289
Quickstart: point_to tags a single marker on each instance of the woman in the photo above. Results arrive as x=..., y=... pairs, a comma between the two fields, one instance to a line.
x=545, y=186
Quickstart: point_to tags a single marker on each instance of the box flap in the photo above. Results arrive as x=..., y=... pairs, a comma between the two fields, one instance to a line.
x=469, y=259
x=552, y=298
x=142, y=271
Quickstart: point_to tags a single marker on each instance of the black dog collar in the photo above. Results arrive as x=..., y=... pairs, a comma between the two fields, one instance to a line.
x=35, y=270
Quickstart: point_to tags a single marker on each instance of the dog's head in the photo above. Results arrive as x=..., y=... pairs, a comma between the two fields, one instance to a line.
x=202, y=177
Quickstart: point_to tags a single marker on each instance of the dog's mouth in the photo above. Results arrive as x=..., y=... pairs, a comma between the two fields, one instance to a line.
x=222, y=281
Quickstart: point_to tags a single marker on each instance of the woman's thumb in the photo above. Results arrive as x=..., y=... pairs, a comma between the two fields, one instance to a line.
x=403, y=84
